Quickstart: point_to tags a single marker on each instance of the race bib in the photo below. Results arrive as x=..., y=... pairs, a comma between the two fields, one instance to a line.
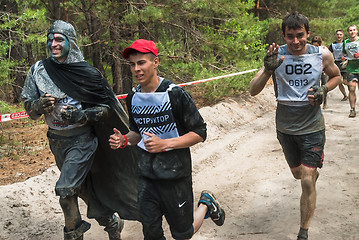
x=296, y=75
x=152, y=113
x=351, y=48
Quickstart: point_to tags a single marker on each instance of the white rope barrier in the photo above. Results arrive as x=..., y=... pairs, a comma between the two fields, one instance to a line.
x=19, y=115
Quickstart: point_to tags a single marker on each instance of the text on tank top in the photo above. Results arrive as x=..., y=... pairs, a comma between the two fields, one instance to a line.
x=351, y=48
x=152, y=113
x=337, y=51
x=296, y=75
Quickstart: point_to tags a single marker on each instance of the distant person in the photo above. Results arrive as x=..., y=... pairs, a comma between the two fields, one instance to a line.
x=337, y=48
x=296, y=68
x=79, y=108
x=164, y=123
x=351, y=50
x=317, y=41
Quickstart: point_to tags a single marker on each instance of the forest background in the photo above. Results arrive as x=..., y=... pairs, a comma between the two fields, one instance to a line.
x=196, y=39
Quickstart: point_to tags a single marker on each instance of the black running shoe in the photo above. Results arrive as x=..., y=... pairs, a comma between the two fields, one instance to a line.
x=215, y=211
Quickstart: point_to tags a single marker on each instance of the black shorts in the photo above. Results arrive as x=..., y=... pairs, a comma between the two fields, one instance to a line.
x=343, y=72
x=170, y=198
x=307, y=149
x=353, y=77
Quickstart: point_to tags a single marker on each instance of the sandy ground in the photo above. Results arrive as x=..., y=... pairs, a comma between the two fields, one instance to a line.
x=243, y=164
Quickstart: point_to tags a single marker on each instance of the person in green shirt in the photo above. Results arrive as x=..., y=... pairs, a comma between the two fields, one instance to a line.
x=337, y=48
x=351, y=50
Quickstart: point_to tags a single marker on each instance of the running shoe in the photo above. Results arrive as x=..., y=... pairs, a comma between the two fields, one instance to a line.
x=215, y=211
x=352, y=113
x=302, y=238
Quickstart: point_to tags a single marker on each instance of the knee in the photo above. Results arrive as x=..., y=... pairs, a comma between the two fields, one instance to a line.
x=308, y=183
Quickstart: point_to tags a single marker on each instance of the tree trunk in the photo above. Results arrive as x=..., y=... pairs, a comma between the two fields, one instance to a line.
x=116, y=57
x=17, y=73
x=121, y=73
x=54, y=9
x=94, y=30
x=30, y=56
x=58, y=10
x=126, y=78
x=256, y=10
x=95, y=37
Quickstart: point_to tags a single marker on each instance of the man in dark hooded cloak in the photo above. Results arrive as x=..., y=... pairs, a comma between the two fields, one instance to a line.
x=81, y=110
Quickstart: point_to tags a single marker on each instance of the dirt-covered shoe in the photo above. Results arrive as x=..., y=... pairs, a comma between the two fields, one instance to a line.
x=302, y=234
x=302, y=238
x=78, y=233
x=215, y=211
x=352, y=113
x=114, y=231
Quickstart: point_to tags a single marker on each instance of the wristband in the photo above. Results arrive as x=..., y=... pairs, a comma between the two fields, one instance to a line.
x=126, y=141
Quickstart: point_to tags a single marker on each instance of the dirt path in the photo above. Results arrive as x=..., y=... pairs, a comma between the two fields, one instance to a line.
x=243, y=164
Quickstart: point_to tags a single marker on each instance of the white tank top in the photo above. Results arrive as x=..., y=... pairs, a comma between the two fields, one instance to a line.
x=337, y=51
x=152, y=113
x=351, y=48
x=295, y=76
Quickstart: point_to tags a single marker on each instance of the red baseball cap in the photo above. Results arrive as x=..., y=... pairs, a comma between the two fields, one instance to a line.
x=141, y=45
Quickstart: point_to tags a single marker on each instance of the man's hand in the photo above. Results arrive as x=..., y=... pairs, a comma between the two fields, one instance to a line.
x=356, y=55
x=153, y=143
x=45, y=104
x=116, y=140
x=271, y=61
x=317, y=94
x=72, y=115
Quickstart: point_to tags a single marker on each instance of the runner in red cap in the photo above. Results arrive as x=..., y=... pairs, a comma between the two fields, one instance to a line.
x=164, y=123
x=141, y=45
